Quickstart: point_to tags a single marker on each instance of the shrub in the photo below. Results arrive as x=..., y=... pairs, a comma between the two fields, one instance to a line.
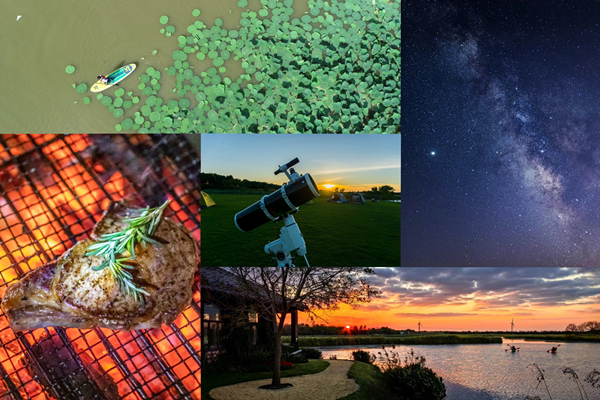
x=295, y=358
x=415, y=382
x=363, y=356
x=312, y=354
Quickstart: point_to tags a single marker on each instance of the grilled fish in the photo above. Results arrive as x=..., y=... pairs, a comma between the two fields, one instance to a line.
x=67, y=292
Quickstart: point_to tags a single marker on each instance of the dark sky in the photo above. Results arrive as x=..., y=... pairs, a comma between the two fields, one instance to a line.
x=501, y=126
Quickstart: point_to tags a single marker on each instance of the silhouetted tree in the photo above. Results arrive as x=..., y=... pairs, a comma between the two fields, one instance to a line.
x=279, y=290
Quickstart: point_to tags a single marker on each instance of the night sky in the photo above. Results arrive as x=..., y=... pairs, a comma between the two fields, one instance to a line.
x=501, y=126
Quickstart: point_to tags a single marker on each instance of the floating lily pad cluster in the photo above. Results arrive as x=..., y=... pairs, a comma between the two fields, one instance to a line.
x=335, y=69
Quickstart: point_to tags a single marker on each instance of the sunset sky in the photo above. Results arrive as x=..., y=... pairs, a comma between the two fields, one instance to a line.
x=353, y=162
x=481, y=299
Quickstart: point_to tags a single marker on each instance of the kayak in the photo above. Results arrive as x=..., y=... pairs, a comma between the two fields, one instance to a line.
x=117, y=76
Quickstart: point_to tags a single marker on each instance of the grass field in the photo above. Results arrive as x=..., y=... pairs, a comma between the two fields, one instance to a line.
x=371, y=382
x=209, y=382
x=335, y=234
x=346, y=340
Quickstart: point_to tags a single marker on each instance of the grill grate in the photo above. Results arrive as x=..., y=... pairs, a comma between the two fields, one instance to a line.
x=53, y=189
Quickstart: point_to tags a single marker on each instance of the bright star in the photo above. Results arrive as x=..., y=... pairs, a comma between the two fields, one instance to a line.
x=433, y=153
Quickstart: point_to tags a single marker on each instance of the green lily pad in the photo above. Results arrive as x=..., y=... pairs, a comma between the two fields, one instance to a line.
x=164, y=20
x=118, y=127
x=86, y=100
x=106, y=100
x=119, y=92
x=196, y=13
x=154, y=116
x=118, y=102
x=82, y=88
x=127, y=123
x=243, y=3
x=118, y=112
x=70, y=69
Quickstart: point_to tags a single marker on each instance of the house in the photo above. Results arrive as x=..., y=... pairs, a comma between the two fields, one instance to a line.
x=222, y=303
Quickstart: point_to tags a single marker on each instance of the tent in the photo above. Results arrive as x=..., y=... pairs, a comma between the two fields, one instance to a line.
x=208, y=202
x=337, y=198
x=356, y=198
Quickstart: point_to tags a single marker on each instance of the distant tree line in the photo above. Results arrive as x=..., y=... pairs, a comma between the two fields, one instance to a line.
x=385, y=192
x=222, y=182
x=326, y=330
x=590, y=326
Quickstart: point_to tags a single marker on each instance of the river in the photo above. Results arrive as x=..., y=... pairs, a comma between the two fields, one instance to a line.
x=96, y=37
x=488, y=372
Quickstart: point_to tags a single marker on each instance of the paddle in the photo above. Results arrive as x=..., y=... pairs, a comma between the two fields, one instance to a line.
x=548, y=351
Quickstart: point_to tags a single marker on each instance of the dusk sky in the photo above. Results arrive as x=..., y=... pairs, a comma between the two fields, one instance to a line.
x=481, y=299
x=500, y=118
x=354, y=162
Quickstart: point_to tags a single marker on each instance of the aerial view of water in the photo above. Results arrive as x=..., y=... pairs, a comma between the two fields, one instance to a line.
x=39, y=39
x=488, y=372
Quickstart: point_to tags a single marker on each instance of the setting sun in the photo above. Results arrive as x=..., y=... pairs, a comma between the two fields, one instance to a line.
x=328, y=186
x=347, y=326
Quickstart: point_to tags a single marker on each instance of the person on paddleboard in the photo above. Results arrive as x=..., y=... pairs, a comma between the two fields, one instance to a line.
x=105, y=79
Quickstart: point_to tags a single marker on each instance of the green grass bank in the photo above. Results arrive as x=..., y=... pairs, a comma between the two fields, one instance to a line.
x=347, y=340
x=335, y=234
x=370, y=380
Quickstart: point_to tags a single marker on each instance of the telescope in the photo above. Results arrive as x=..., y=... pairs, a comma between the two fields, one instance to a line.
x=279, y=206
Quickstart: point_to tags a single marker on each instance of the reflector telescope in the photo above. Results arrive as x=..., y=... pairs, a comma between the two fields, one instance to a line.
x=299, y=190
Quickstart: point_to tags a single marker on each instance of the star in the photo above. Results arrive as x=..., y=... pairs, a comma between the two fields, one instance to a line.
x=433, y=153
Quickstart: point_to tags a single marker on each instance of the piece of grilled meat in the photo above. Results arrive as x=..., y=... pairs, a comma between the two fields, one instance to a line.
x=67, y=292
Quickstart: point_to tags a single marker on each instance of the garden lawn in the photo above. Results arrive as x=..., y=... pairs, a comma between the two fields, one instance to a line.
x=209, y=382
x=370, y=380
x=335, y=234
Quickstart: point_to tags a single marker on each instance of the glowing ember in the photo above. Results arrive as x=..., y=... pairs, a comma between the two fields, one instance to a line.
x=50, y=198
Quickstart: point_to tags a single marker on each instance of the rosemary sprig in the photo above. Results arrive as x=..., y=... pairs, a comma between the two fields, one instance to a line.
x=110, y=245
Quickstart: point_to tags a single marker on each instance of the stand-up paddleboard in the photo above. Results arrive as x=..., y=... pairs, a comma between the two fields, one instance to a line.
x=117, y=76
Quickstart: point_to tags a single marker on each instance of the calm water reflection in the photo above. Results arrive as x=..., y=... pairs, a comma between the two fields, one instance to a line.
x=487, y=372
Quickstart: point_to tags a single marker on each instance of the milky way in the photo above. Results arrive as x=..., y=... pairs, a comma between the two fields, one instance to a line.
x=501, y=108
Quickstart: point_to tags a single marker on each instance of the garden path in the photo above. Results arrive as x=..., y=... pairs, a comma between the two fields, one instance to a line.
x=331, y=384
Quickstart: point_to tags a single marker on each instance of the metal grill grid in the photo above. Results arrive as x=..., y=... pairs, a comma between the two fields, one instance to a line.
x=51, y=195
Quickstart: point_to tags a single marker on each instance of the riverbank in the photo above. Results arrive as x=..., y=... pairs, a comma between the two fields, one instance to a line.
x=567, y=337
x=347, y=340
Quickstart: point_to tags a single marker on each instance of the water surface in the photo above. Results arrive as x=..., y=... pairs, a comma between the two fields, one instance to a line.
x=96, y=37
x=488, y=372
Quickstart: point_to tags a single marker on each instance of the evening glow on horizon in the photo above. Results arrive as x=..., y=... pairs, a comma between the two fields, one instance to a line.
x=354, y=162
x=475, y=299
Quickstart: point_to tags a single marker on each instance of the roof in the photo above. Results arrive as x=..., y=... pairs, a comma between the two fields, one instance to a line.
x=219, y=280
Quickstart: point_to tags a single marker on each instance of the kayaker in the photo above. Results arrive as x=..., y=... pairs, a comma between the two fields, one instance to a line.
x=513, y=348
x=553, y=350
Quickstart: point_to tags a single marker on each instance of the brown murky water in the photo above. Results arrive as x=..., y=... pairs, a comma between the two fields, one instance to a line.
x=96, y=37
